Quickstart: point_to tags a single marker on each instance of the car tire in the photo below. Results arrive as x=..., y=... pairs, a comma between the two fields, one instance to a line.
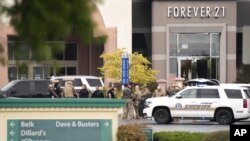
x=162, y=116
x=224, y=117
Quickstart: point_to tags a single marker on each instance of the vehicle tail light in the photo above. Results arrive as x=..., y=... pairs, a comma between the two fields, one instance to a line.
x=244, y=103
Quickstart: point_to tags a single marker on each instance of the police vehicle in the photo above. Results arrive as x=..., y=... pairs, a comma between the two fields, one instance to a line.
x=224, y=104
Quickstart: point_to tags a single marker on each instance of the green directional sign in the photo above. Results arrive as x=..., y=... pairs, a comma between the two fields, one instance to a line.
x=60, y=130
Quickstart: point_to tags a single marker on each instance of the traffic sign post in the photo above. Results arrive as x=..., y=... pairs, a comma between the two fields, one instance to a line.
x=125, y=69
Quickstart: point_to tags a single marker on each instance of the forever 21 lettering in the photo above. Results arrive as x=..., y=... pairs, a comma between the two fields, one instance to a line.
x=188, y=12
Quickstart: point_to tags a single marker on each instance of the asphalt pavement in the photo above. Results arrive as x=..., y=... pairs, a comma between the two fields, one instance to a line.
x=183, y=125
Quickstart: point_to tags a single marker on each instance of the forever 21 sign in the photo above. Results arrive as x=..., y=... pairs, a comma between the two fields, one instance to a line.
x=203, y=12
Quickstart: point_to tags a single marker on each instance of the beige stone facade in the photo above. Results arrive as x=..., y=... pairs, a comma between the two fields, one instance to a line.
x=194, y=17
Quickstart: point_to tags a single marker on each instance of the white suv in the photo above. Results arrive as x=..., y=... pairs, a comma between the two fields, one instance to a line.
x=78, y=80
x=224, y=104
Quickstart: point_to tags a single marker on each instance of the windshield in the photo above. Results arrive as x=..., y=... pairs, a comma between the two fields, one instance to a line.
x=7, y=86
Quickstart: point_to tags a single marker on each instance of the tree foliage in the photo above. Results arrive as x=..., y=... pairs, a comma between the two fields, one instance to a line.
x=37, y=21
x=139, y=70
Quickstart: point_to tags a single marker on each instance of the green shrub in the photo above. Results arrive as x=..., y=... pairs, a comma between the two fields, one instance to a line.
x=217, y=136
x=178, y=136
x=152, y=86
x=130, y=132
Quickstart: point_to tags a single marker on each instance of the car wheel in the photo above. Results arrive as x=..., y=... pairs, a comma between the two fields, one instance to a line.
x=162, y=116
x=224, y=117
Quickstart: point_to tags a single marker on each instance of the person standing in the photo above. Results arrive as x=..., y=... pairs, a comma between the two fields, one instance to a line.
x=127, y=110
x=57, y=89
x=52, y=92
x=84, y=93
x=69, y=91
x=158, y=92
x=97, y=93
x=136, y=98
x=111, y=92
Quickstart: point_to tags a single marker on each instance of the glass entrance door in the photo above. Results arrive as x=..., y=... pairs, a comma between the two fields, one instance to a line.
x=194, y=55
x=193, y=67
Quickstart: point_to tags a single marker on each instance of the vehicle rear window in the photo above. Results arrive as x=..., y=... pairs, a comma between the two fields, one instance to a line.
x=233, y=93
x=94, y=82
x=208, y=93
x=247, y=94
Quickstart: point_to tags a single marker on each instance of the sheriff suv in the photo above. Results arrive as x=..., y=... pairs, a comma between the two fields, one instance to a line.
x=224, y=104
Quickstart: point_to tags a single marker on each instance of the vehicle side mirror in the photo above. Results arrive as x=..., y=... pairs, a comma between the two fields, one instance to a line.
x=13, y=91
x=178, y=97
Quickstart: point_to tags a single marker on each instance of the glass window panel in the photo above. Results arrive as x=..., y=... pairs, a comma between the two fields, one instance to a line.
x=77, y=82
x=37, y=73
x=48, y=72
x=23, y=86
x=247, y=93
x=190, y=93
x=94, y=82
x=12, y=72
x=194, y=44
x=71, y=51
x=173, y=44
x=233, y=93
x=208, y=93
x=214, y=68
x=215, y=44
x=57, y=50
x=173, y=66
x=23, y=72
x=71, y=70
x=11, y=51
x=60, y=71
x=21, y=51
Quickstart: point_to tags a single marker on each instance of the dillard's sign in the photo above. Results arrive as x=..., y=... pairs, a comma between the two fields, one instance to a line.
x=195, y=11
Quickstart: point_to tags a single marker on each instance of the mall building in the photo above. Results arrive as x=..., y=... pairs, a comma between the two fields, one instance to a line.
x=183, y=39
x=194, y=38
x=113, y=19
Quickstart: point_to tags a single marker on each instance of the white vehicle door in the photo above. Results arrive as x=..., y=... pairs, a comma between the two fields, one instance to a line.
x=208, y=99
x=183, y=105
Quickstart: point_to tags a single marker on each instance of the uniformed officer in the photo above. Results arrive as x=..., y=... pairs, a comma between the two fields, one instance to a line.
x=128, y=109
x=158, y=92
x=136, y=98
x=69, y=91
x=97, y=93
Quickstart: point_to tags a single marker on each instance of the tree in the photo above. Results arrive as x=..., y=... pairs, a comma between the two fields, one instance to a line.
x=36, y=21
x=139, y=70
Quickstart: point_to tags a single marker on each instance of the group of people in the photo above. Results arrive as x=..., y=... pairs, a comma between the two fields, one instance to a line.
x=69, y=92
x=134, y=95
x=134, y=98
